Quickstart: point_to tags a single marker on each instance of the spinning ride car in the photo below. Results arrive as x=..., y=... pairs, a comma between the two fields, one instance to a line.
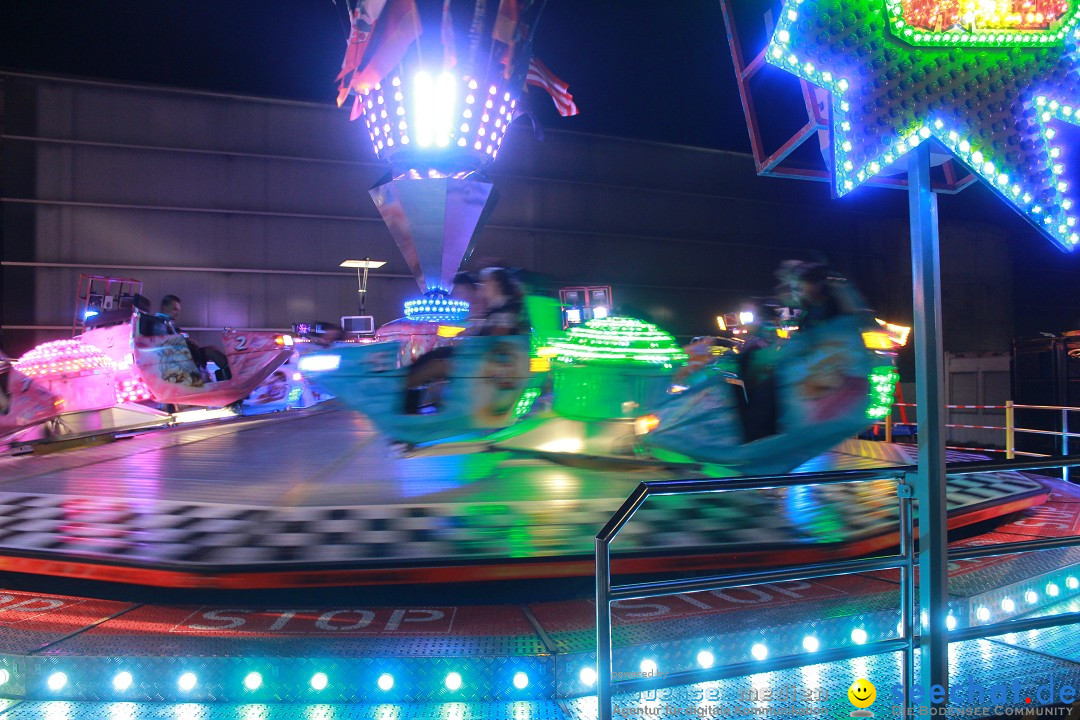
x=491, y=381
x=165, y=365
x=25, y=401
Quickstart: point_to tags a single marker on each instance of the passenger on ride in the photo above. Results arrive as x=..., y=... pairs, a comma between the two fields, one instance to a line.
x=165, y=324
x=326, y=334
x=818, y=293
x=502, y=304
x=758, y=409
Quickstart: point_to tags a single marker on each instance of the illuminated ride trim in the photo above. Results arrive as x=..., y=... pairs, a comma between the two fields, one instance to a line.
x=971, y=26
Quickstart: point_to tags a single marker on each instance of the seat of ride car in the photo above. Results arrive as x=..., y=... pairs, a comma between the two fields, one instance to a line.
x=148, y=324
x=106, y=318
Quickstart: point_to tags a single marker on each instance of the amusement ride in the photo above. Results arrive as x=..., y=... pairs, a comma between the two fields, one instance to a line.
x=528, y=442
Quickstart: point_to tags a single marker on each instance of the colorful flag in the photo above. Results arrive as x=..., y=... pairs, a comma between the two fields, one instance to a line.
x=476, y=34
x=402, y=26
x=506, y=22
x=448, y=41
x=363, y=25
x=541, y=77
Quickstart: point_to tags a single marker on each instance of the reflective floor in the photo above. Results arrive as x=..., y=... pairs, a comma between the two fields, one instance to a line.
x=294, y=494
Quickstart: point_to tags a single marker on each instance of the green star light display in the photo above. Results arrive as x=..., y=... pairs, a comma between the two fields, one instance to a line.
x=989, y=83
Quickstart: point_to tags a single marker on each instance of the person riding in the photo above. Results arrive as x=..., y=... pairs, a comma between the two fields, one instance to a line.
x=502, y=312
x=758, y=408
x=819, y=293
x=165, y=324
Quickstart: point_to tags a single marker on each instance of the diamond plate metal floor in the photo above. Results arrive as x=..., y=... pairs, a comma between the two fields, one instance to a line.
x=316, y=498
x=1003, y=679
x=550, y=644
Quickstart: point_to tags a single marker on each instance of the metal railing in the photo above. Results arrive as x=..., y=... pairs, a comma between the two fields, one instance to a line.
x=1009, y=429
x=904, y=561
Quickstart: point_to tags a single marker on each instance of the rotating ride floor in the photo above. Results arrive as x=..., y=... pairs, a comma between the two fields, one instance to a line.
x=311, y=480
x=314, y=497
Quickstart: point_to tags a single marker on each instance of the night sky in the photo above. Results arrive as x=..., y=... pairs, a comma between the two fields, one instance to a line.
x=619, y=56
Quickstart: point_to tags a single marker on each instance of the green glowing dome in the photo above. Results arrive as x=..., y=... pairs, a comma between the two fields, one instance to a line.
x=619, y=341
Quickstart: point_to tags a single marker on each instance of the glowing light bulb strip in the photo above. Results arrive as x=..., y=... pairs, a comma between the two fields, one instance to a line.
x=882, y=391
x=478, y=119
x=66, y=358
x=436, y=309
x=1040, y=196
x=619, y=340
x=996, y=31
x=525, y=402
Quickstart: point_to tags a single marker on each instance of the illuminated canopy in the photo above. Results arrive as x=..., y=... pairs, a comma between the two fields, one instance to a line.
x=979, y=76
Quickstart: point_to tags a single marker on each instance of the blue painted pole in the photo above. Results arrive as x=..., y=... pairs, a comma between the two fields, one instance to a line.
x=930, y=402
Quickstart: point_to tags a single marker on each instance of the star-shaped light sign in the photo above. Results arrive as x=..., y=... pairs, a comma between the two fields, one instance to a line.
x=989, y=79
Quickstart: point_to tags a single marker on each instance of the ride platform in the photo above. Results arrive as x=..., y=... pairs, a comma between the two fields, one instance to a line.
x=370, y=656
x=315, y=498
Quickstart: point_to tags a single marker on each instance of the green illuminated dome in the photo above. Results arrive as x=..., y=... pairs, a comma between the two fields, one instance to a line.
x=613, y=368
x=619, y=341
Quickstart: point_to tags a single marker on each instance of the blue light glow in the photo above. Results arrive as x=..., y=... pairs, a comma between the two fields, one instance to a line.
x=319, y=363
x=57, y=681
x=122, y=681
x=436, y=308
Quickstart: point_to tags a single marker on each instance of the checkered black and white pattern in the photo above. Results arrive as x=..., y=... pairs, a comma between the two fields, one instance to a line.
x=154, y=532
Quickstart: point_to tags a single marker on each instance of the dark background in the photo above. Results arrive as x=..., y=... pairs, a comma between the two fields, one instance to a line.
x=616, y=55
x=652, y=70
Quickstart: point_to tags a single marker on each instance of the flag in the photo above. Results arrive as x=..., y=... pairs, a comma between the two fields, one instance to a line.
x=541, y=77
x=363, y=25
x=402, y=27
x=505, y=30
x=448, y=41
x=506, y=22
x=476, y=34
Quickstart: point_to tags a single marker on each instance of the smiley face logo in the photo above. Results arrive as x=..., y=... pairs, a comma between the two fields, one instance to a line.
x=862, y=694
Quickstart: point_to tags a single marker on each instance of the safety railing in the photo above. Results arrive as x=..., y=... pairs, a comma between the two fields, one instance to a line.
x=904, y=561
x=1009, y=429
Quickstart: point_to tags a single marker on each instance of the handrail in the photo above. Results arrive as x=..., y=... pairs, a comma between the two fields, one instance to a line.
x=904, y=561
x=1010, y=429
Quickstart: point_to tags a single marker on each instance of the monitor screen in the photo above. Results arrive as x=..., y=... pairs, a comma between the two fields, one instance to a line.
x=358, y=324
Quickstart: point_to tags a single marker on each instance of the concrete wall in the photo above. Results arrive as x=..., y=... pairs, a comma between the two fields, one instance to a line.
x=245, y=206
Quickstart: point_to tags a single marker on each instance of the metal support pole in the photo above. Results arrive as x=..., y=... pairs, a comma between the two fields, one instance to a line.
x=888, y=427
x=1065, y=441
x=603, y=629
x=905, y=491
x=930, y=401
x=363, y=285
x=1010, y=430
